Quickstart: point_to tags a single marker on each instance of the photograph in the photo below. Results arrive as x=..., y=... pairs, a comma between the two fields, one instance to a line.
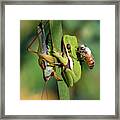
x=59, y=59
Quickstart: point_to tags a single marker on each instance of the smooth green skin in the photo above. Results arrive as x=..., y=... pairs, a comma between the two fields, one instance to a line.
x=70, y=76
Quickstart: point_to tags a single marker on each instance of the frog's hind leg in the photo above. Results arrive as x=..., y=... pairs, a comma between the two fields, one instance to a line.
x=67, y=77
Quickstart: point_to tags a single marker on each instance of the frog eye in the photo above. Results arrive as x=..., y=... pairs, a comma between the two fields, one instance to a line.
x=68, y=46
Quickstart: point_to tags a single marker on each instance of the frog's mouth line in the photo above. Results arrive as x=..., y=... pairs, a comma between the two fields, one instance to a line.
x=70, y=61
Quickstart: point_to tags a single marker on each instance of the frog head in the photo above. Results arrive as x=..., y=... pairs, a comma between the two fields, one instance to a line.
x=70, y=45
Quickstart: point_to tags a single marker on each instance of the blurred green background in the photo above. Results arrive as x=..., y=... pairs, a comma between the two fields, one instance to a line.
x=31, y=77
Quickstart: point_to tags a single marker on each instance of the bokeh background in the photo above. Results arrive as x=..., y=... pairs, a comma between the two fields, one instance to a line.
x=31, y=77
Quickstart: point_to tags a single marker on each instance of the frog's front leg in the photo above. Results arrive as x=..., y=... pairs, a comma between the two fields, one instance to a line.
x=62, y=59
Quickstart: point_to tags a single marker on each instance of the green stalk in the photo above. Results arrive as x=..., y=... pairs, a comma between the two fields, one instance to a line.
x=56, y=33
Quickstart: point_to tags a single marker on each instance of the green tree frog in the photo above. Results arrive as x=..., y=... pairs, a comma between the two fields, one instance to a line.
x=71, y=68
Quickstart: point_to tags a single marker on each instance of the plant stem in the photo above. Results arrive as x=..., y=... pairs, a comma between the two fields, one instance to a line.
x=56, y=33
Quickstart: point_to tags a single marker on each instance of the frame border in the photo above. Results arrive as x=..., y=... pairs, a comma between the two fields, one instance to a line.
x=69, y=2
